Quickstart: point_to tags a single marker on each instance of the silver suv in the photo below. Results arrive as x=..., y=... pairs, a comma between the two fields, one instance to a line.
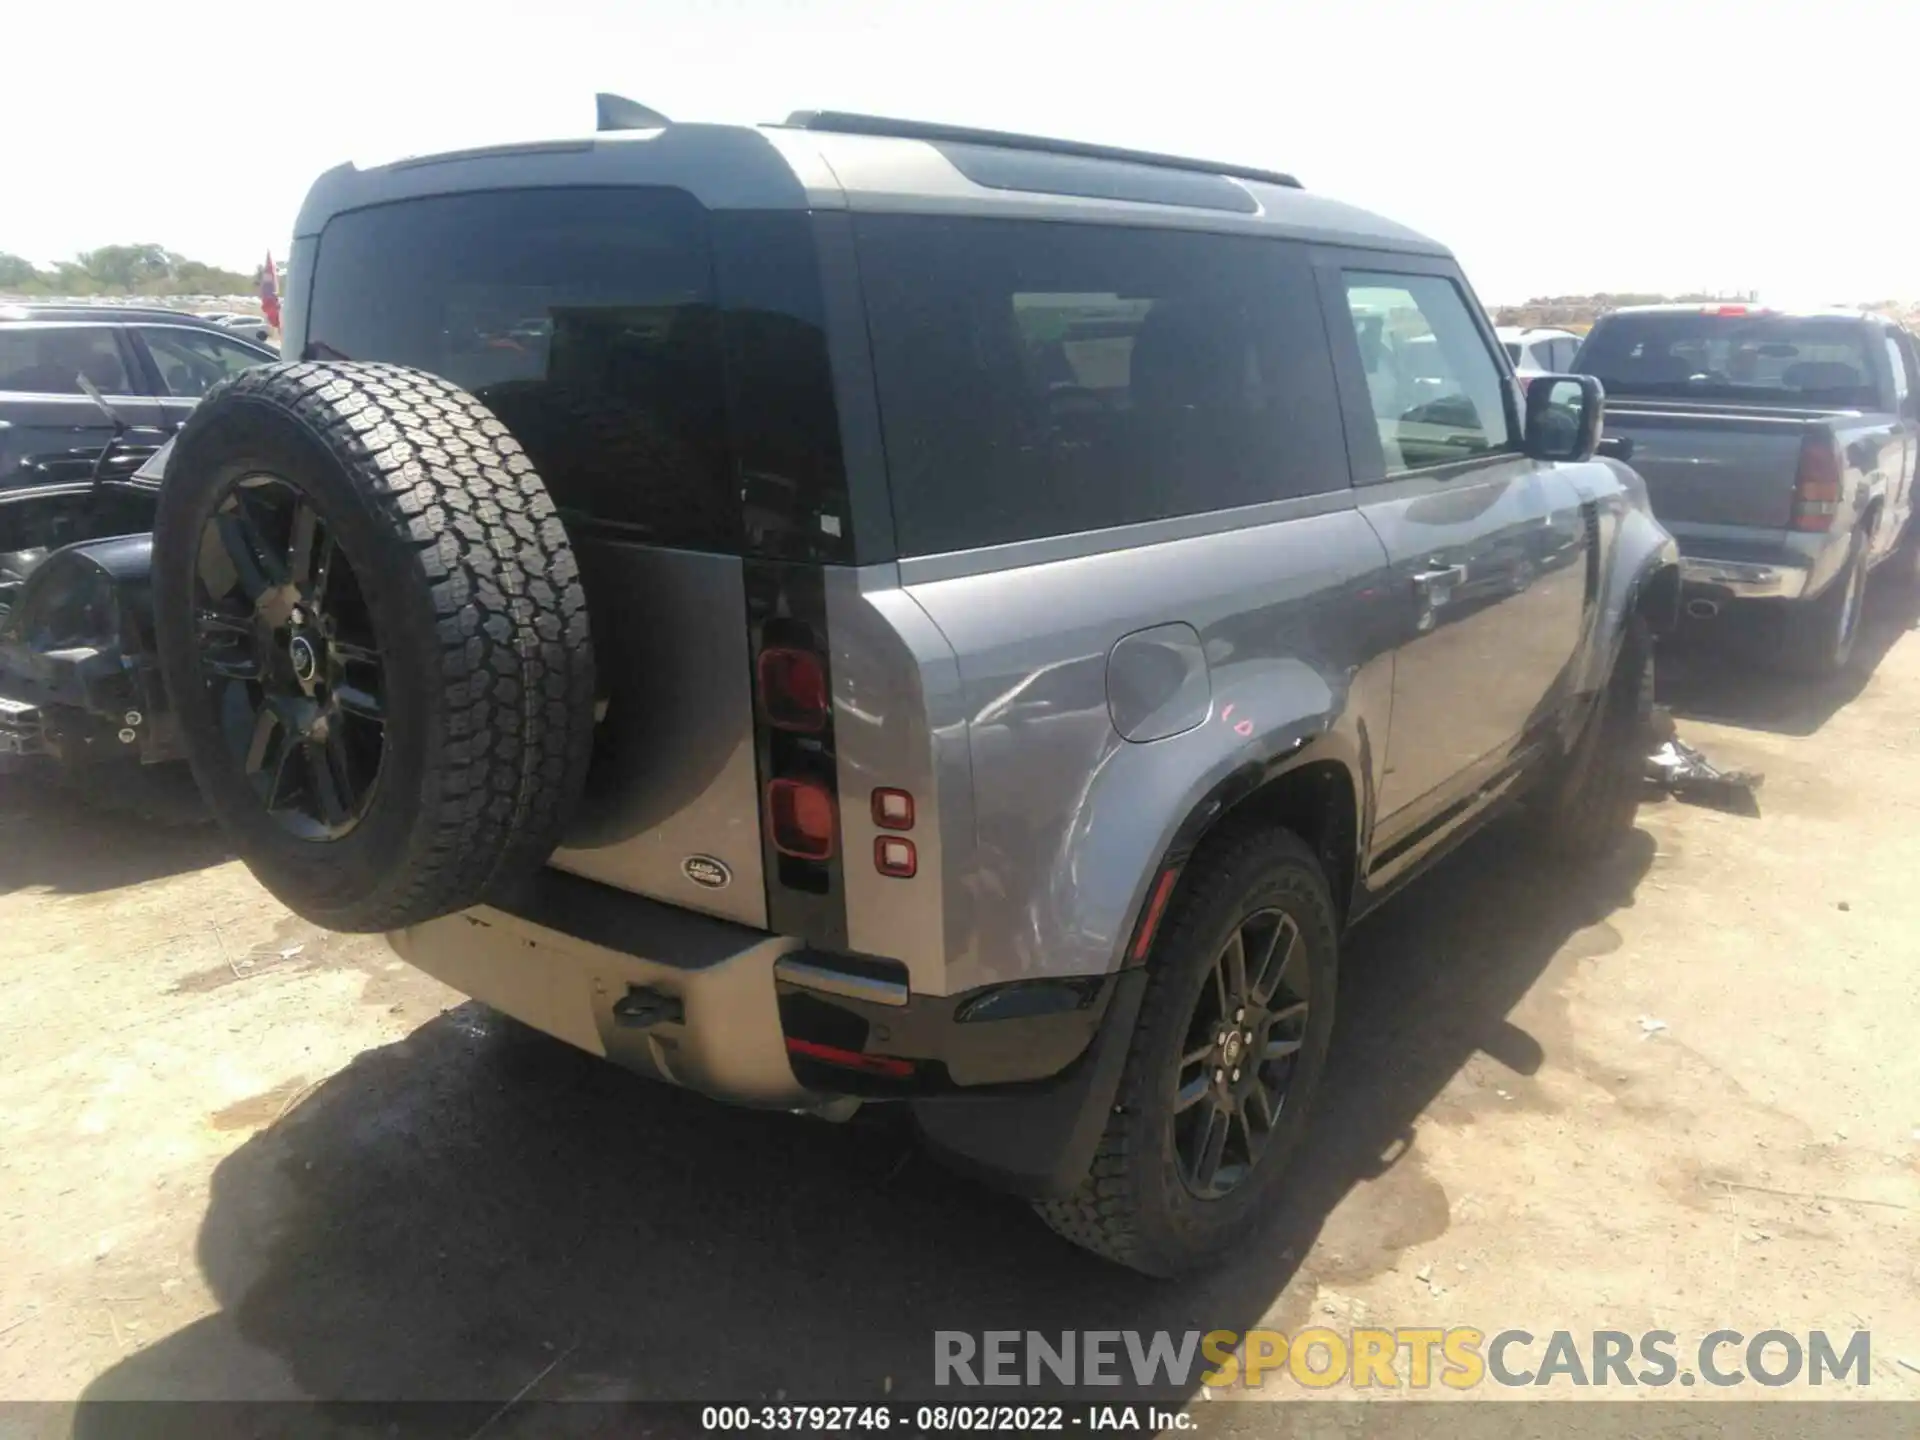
x=856, y=610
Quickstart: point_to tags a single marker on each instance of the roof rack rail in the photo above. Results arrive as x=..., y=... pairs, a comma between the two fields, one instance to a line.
x=841, y=122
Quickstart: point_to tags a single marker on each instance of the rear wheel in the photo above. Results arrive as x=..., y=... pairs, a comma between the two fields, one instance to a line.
x=1230, y=1046
x=1821, y=634
x=373, y=629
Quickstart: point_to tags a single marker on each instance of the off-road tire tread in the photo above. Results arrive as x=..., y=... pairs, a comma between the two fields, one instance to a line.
x=509, y=753
x=1102, y=1214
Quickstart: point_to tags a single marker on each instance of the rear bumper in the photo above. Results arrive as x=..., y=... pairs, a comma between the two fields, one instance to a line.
x=677, y=996
x=1744, y=579
x=1733, y=562
x=1013, y=1082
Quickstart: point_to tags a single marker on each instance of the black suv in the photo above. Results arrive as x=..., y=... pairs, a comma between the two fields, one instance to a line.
x=87, y=394
x=151, y=364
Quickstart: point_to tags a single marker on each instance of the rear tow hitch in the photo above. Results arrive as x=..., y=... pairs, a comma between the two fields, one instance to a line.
x=642, y=1008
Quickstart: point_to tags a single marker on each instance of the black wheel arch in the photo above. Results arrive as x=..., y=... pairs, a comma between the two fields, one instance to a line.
x=1309, y=788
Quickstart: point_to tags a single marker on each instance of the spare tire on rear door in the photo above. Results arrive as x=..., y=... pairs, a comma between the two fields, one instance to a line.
x=374, y=631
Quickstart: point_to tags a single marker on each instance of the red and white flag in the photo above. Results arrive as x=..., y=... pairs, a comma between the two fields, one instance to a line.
x=270, y=293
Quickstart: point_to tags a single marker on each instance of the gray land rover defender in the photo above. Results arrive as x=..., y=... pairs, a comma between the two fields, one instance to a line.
x=856, y=610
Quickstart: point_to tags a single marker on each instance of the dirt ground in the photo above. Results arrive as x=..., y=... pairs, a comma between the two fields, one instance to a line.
x=243, y=1158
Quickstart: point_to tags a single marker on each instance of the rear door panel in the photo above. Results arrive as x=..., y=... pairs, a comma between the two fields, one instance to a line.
x=53, y=430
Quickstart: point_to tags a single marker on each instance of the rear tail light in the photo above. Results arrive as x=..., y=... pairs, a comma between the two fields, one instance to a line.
x=893, y=809
x=1816, y=485
x=894, y=855
x=793, y=689
x=800, y=818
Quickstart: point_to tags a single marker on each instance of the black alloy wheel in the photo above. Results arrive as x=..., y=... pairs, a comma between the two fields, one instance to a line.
x=290, y=653
x=1243, y=1040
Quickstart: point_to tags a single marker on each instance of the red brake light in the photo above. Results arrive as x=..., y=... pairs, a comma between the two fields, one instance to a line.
x=793, y=689
x=1816, y=485
x=800, y=816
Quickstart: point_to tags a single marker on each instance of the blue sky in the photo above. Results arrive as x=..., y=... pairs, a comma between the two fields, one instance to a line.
x=1555, y=145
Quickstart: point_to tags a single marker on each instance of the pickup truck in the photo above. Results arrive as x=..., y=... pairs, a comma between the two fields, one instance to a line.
x=1778, y=448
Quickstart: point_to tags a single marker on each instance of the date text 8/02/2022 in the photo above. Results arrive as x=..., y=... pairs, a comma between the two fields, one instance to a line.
x=1458, y=1357
x=940, y=1419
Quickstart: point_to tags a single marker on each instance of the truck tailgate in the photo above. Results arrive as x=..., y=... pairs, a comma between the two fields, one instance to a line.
x=1710, y=466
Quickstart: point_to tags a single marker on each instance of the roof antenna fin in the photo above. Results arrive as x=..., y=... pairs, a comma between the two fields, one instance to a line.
x=616, y=112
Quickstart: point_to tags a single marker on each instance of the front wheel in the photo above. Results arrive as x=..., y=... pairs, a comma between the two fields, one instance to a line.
x=1589, y=808
x=1230, y=1046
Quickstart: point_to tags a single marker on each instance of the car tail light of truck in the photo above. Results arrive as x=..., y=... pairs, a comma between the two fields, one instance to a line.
x=1816, y=485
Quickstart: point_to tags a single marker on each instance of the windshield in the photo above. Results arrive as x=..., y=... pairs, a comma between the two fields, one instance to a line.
x=1750, y=359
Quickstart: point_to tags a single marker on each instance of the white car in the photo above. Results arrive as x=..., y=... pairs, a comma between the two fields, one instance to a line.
x=1538, y=351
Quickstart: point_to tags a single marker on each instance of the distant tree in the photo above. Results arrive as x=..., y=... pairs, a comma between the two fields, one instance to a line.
x=122, y=270
x=126, y=268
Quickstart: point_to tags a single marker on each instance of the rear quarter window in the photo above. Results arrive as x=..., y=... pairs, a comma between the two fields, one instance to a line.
x=1041, y=379
x=656, y=361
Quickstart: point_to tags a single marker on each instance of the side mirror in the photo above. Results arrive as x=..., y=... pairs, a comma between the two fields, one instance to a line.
x=1564, y=415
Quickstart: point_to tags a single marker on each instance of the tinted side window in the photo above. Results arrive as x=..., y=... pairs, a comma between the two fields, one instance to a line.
x=1437, y=394
x=1563, y=351
x=49, y=359
x=192, y=362
x=1042, y=379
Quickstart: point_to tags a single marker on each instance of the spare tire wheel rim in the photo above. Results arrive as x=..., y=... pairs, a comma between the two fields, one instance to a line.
x=288, y=649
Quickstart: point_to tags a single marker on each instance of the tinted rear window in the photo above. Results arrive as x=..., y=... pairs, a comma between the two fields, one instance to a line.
x=609, y=328
x=1756, y=359
x=1038, y=379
